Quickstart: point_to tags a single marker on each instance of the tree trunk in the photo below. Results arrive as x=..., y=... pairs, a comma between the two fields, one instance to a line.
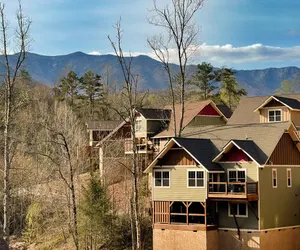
x=135, y=195
x=76, y=241
x=6, y=179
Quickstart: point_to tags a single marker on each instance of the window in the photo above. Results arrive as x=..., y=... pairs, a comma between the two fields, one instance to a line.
x=274, y=178
x=235, y=175
x=138, y=125
x=289, y=177
x=274, y=115
x=195, y=178
x=162, y=179
x=239, y=209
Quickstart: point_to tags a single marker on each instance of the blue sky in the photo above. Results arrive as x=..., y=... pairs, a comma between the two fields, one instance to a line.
x=244, y=34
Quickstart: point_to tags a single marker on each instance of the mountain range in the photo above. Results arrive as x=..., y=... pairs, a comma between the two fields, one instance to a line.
x=49, y=69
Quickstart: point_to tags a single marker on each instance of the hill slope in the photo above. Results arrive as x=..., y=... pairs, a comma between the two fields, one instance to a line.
x=49, y=69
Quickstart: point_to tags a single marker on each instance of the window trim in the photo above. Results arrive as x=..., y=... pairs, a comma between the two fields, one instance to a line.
x=140, y=121
x=196, y=170
x=275, y=114
x=161, y=170
x=289, y=170
x=238, y=209
x=235, y=169
x=274, y=170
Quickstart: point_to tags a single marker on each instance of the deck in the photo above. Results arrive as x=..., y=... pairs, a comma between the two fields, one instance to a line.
x=233, y=191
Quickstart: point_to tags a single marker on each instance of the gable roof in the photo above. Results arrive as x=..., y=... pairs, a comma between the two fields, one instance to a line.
x=102, y=125
x=201, y=150
x=190, y=111
x=244, y=113
x=290, y=103
x=249, y=147
x=259, y=133
x=225, y=110
x=112, y=133
x=157, y=114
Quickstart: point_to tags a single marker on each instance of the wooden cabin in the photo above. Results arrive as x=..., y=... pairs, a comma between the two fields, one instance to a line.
x=221, y=193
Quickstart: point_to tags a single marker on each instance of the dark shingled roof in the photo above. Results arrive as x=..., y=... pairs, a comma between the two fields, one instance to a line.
x=253, y=150
x=162, y=114
x=203, y=150
x=293, y=103
x=227, y=112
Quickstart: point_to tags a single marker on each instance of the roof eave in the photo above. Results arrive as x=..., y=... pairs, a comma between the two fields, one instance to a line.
x=269, y=99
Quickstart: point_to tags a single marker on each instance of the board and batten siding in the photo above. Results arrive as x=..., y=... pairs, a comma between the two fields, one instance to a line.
x=178, y=190
x=279, y=207
x=251, y=169
x=285, y=114
x=206, y=120
x=177, y=156
x=285, y=152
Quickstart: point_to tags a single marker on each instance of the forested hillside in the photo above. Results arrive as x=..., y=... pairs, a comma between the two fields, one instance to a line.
x=48, y=70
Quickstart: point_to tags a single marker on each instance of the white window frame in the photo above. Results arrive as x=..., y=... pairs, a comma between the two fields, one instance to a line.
x=274, y=170
x=269, y=110
x=289, y=170
x=138, y=125
x=236, y=170
x=159, y=170
x=196, y=170
x=238, y=209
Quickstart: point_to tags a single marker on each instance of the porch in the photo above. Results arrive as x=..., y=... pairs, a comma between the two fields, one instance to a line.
x=143, y=146
x=233, y=190
x=178, y=215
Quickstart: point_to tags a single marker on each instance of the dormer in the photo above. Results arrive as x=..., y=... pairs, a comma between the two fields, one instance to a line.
x=278, y=109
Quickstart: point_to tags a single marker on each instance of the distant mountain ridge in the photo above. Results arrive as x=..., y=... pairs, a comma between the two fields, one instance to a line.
x=49, y=69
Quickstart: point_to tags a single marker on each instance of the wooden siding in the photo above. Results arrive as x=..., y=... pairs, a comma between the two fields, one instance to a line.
x=178, y=190
x=285, y=153
x=226, y=221
x=161, y=211
x=176, y=157
x=285, y=112
x=251, y=169
x=207, y=120
x=279, y=207
x=235, y=154
x=209, y=110
x=295, y=117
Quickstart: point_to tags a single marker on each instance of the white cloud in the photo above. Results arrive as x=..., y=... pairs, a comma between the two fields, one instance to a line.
x=94, y=53
x=228, y=54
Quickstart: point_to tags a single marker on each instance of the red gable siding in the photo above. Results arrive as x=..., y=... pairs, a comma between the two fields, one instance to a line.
x=235, y=155
x=209, y=110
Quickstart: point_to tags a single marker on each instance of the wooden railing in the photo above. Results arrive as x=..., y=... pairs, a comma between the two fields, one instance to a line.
x=232, y=189
x=141, y=145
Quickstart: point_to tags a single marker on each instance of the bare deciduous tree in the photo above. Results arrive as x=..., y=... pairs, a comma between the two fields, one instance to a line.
x=178, y=22
x=65, y=147
x=132, y=100
x=10, y=78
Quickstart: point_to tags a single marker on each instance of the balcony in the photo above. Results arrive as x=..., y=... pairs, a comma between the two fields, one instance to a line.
x=143, y=146
x=233, y=191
